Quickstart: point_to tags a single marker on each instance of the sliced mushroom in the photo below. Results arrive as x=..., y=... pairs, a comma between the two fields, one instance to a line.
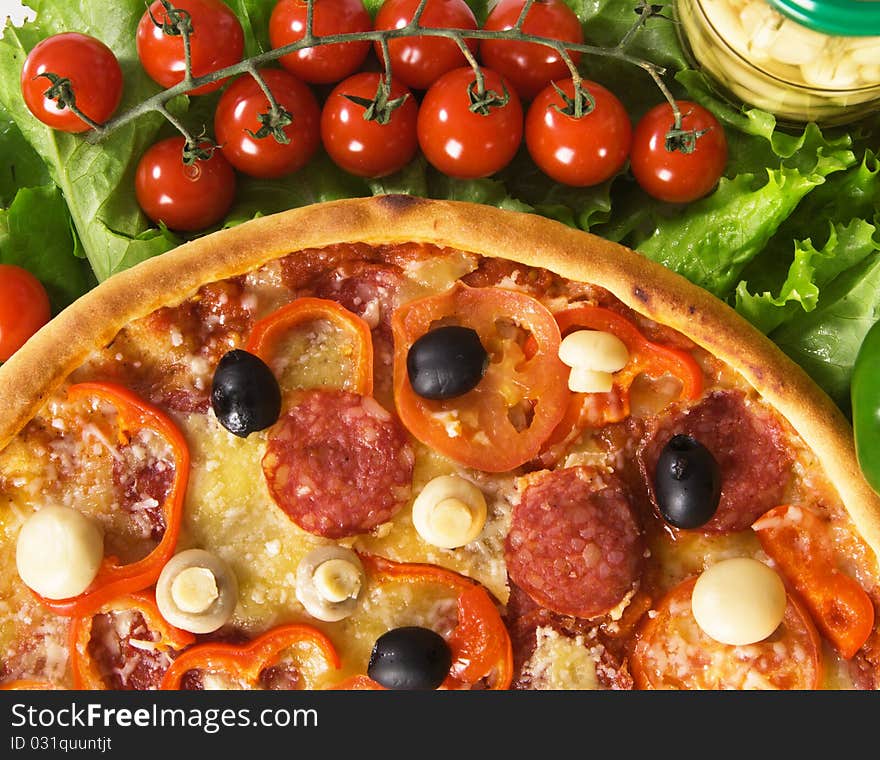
x=197, y=591
x=328, y=582
x=449, y=512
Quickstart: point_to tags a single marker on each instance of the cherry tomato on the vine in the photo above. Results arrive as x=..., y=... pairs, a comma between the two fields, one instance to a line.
x=530, y=67
x=185, y=198
x=368, y=148
x=217, y=41
x=674, y=175
x=237, y=116
x=419, y=61
x=327, y=63
x=92, y=70
x=463, y=143
x=578, y=151
x=24, y=308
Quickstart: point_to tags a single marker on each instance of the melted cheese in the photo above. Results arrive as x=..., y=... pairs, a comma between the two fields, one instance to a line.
x=561, y=663
x=315, y=355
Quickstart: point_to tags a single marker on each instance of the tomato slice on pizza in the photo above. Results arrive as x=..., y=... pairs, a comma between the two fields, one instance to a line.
x=504, y=420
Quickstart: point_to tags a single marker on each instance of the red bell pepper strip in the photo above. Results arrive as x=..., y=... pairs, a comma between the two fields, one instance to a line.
x=480, y=643
x=86, y=674
x=645, y=357
x=248, y=661
x=797, y=541
x=268, y=331
x=114, y=580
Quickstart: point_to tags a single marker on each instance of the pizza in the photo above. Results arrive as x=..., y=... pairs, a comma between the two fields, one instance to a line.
x=395, y=443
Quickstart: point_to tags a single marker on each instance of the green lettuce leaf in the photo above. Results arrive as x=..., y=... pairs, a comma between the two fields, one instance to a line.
x=20, y=166
x=825, y=342
x=254, y=17
x=96, y=180
x=713, y=239
x=812, y=269
x=317, y=182
x=487, y=191
x=36, y=233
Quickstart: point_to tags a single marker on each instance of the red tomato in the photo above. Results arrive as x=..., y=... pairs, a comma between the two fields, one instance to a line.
x=460, y=142
x=676, y=176
x=186, y=198
x=368, y=148
x=418, y=62
x=673, y=652
x=217, y=42
x=238, y=111
x=528, y=65
x=24, y=308
x=94, y=74
x=505, y=419
x=579, y=152
x=327, y=63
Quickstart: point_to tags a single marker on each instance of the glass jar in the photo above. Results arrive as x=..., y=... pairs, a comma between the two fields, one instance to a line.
x=802, y=60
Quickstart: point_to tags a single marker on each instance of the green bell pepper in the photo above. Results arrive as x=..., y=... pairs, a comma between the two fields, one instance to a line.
x=865, y=394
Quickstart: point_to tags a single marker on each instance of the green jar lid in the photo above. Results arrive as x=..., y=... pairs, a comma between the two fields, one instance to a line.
x=849, y=18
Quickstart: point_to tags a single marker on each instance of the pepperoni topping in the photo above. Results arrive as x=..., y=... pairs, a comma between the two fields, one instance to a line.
x=674, y=653
x=749, y=446
x=121, y=647
x=368, y=290
x=338, y=463
x=145, y=485
x=574, y=545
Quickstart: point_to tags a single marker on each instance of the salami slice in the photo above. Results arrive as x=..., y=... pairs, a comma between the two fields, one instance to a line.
x=574, y=545
x=338, y=463
x=369, y=290
x=121, y=647
x=749, y=446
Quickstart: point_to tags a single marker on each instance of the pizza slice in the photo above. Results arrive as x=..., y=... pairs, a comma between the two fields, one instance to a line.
x=400, y=443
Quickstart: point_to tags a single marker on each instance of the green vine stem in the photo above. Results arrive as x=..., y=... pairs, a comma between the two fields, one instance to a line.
x=157, y=102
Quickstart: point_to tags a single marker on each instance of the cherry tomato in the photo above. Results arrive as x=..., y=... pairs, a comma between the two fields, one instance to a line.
x=217, y=41
x=238, y=112
x=186, y=198
x=418, y=62
x=24, y=308
x=673, y=652
x=460, y=142
x=530, y=67
x=676, y=176
x=368, y=148
x=578, y=151
x=94, y=74
x=327, y=63
x=503, y=421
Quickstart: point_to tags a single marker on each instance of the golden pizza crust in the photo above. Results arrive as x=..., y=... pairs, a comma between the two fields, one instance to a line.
x=648, y=288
